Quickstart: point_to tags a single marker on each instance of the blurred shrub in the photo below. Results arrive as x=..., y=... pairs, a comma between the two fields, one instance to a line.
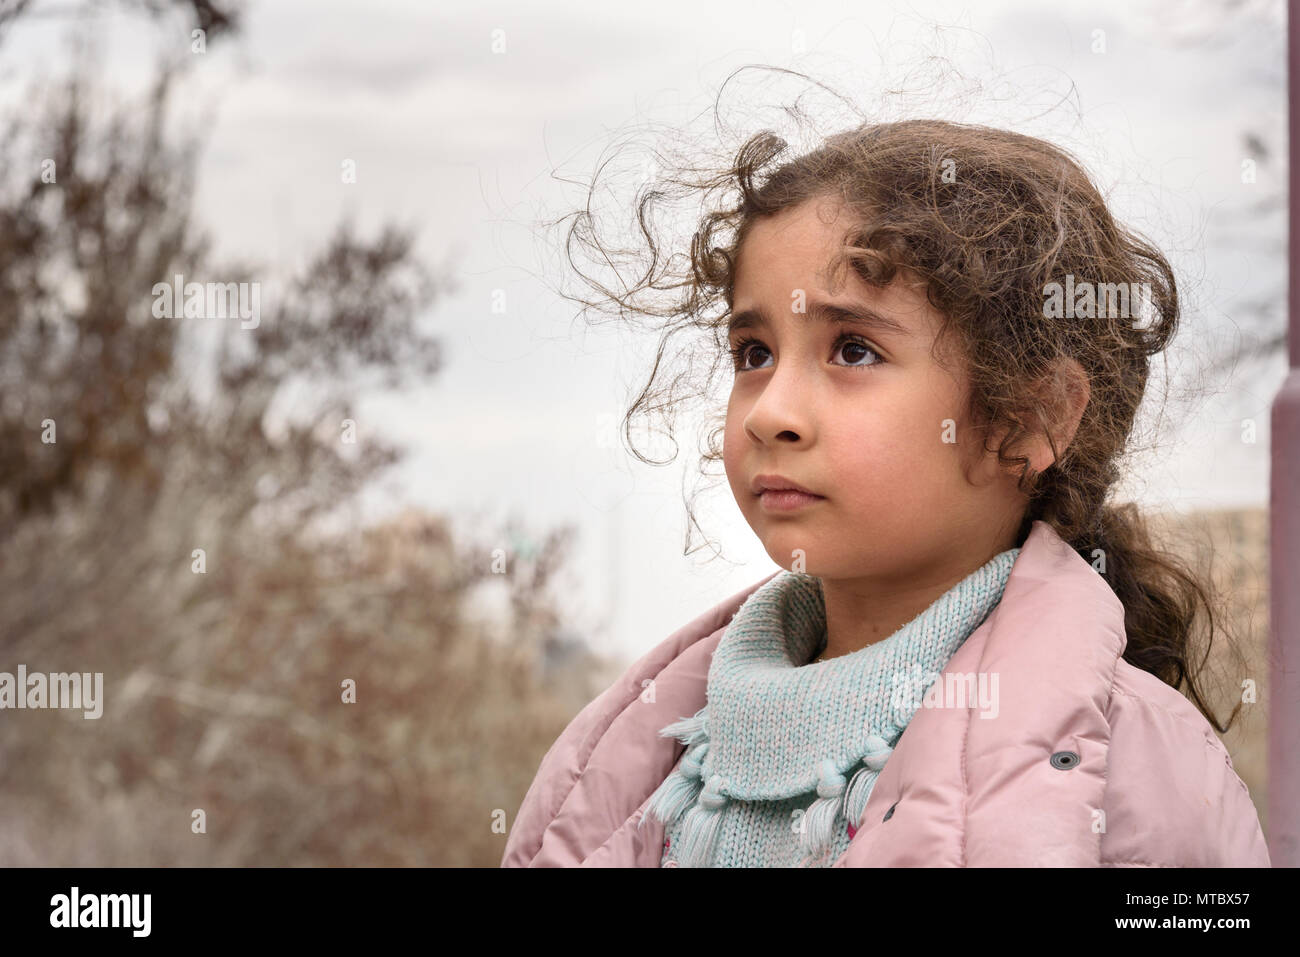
x=223, y=687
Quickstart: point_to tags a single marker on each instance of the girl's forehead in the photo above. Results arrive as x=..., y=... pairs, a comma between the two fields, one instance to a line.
x=804, y=243
x=789, y=259
x=901, y=306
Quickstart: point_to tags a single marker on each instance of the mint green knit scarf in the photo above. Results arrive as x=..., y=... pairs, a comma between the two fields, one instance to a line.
x=774, y=727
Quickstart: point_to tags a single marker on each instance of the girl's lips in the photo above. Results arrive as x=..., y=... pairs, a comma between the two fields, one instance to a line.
x=787, y=500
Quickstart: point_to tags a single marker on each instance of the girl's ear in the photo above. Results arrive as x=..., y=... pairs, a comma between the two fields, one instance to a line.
x=1060, y=398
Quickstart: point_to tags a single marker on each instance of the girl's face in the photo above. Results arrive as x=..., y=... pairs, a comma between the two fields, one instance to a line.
x=857, y=412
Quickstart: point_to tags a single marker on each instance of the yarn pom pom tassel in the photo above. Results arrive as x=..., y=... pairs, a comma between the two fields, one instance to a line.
x=860, y=788
x=690, y=730
x=819, y=820
x=680, y=789
x=699, y=835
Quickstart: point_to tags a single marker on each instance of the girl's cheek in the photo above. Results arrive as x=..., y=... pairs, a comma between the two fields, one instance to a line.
x=729, y=444
x=731, y=455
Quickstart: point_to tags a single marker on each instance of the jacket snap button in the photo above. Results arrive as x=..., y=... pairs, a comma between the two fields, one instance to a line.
x=890, y=812
x=1064, y=760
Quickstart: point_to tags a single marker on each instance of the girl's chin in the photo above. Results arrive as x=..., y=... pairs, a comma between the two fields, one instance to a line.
x=795, y=554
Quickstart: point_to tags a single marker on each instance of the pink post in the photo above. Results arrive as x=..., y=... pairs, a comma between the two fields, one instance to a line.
x=1283, y=823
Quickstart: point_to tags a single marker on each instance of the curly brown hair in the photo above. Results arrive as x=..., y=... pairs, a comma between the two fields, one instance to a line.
x=988, y=219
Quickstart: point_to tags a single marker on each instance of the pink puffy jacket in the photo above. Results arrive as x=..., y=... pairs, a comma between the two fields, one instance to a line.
x=1151, y=784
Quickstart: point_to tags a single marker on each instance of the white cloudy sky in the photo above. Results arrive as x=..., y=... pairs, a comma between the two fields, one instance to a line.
x=468, y=145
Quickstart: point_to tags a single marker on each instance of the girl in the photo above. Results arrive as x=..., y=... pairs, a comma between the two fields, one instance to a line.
x=939, y=339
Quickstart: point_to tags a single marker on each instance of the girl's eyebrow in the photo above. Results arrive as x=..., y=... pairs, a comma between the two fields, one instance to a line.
x=858, y=315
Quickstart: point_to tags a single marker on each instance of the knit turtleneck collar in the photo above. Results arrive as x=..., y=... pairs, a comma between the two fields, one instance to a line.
x=775, y=727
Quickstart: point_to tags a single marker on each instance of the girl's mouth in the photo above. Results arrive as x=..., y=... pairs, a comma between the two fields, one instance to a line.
x=787, y=500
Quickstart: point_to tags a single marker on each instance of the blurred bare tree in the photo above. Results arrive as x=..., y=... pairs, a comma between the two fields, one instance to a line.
x=166, y=538
x=215, y=19
x=1258, y=222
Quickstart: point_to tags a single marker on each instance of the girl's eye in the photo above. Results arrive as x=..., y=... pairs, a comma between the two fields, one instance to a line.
x=740, y=351
x=859, y=348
